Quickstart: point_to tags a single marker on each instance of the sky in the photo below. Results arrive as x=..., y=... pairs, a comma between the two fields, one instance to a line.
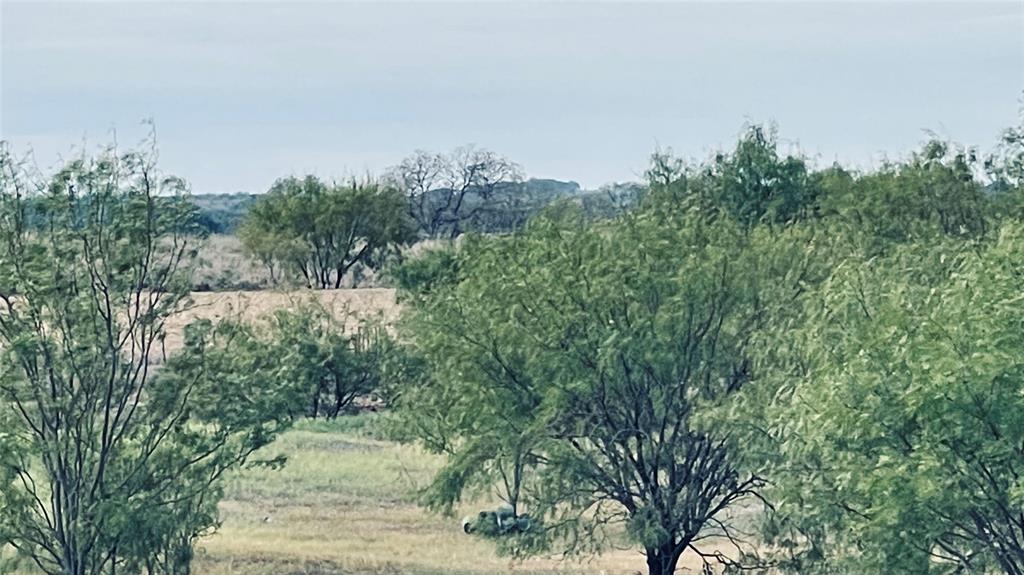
x=242, y=93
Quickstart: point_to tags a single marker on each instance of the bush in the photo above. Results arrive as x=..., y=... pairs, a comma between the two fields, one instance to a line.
x=304, y=357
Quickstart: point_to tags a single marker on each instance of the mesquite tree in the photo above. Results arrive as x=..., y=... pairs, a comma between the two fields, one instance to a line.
x=108, y=463
x=895, y=423
x=320, y=231
x=313, y=364
x=567, y=369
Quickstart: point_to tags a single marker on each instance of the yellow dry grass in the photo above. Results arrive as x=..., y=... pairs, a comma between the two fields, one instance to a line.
x=224, y=263
x=349, y=305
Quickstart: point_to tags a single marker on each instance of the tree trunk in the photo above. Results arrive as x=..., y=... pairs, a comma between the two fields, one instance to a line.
x=314, y=409
x=662, y=560
x=339, y=397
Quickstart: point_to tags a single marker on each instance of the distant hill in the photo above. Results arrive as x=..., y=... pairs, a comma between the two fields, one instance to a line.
x=551, y=189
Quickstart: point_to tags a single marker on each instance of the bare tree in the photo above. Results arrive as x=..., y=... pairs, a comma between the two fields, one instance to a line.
x=445, y=190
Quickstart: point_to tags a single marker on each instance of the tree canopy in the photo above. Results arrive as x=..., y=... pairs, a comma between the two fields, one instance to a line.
x=896, y=431
x=570, y=366
x=319, y=232
x=836, y=348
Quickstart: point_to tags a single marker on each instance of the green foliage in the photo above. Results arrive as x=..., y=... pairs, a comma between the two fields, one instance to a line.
x=563, y=367
x=897, y=427
x=329, y=366
x=837, y=442
x=754, y=183
x=319, y=232
x=845, y=347
x=430, y=270
x=245, y=377
x=1005, y=167
x=934, y=193
x=508, y=209
x=13, y=502
x=104, y=465
x=292, y=363
x=569, y=366
x=612, y=200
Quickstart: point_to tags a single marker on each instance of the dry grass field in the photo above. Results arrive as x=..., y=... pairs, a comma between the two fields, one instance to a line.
x=349, y=305
x=224, y=265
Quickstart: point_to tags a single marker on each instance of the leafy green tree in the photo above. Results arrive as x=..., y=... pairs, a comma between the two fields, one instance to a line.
x=753, y=183
x=568, y=368
x=935, y=192
x=303, y=359
x=895, y=430
x=329, y=366
x=1006, y=163
x=104, y=466
x=12, y=501
x=319, y=232
x=434, y=267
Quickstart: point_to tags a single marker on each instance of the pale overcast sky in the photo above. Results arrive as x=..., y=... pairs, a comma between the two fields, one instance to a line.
x=245, y=92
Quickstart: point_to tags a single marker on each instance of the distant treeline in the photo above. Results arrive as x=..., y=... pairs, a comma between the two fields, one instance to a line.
x=511, y=206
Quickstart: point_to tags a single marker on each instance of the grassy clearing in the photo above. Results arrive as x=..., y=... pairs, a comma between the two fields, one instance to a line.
x=345, y=504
